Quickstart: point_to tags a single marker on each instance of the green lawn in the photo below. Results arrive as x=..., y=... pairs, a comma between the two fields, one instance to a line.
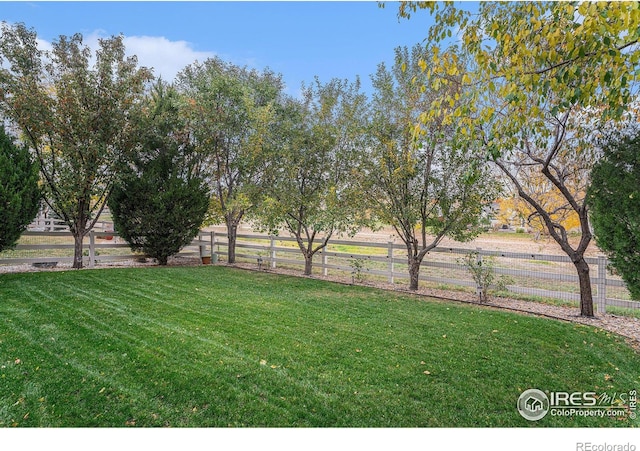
x=217, y=347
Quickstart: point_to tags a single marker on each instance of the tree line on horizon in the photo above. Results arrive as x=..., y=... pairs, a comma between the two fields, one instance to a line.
x=446, y=130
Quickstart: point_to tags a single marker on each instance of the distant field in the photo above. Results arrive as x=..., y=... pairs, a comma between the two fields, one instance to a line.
x=493, y=240
x=218, y=347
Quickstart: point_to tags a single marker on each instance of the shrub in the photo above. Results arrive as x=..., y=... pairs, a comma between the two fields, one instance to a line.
x=158, y=212
x=482, y=270
x=358, y=265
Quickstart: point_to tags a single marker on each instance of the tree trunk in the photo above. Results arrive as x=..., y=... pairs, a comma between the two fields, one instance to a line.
x=586, y=295
x=77, y=250
x=232, y=232
x=162, y=261
x=308, y=264
x=414, y=273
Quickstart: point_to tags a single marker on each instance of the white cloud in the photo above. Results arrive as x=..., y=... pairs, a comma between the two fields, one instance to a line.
x=43, y=45
x=166, y=57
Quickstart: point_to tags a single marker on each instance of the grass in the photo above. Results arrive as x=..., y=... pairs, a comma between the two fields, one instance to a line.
x=219, y=347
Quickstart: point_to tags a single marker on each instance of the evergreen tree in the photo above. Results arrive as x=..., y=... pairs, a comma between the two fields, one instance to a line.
x=614, y=199
x=19, y=191
x=160, y=201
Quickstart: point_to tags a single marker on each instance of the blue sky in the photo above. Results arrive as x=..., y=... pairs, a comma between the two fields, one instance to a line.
x=297, y=39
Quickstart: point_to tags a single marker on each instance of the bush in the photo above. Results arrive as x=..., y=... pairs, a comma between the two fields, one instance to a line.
x=19, y=192
x=158, y=212
x=482, y=270
x=358, y=266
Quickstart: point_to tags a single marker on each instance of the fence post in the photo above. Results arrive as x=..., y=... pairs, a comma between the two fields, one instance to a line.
x=201, y=247
x=390, y=266
x=324, y=263
x=480, y=290
x=211, y=234
x=272, y=252
x=92, y=251
x=212, y=243
x=601, y=300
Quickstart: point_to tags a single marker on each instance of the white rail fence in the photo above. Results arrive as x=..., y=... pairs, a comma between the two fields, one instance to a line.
x=99, y=248
x=531, y=275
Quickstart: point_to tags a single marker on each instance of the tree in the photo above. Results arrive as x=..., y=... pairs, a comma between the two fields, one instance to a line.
x=73, y=115
x=614, y=198
x=160, y=200
x=515, y=207
x=552, y=179
x=230, y=112
x=309, y=189
x=19, y=191
x=538, y=70
x=428, y=184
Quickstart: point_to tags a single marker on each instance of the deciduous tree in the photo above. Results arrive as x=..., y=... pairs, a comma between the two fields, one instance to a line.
x=427, y=183
x=311, y=189
x=230, y=112
x=538, y=70
x=73, y=109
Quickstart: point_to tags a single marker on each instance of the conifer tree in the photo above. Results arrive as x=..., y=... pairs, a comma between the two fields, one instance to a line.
x=614, y=199
x=19, y=191
x=160, y=201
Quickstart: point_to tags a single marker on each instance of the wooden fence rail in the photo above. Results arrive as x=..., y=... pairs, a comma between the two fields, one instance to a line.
x=37, y=247
x=547, y=276
x=442, y=266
